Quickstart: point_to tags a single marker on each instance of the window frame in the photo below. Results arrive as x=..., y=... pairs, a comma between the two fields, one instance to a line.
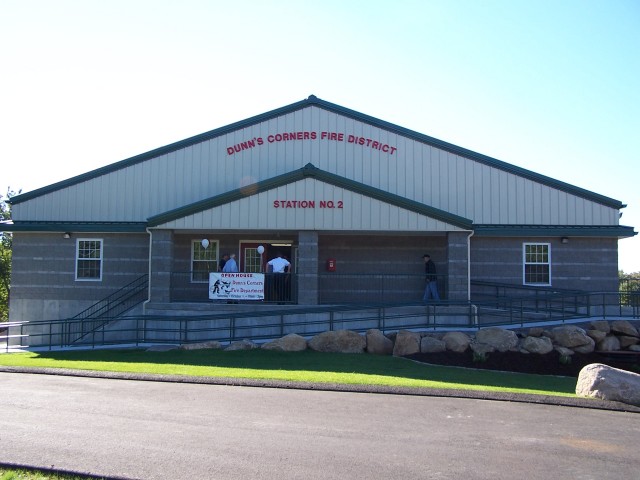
x=525, y=263
x=100, y=259
x=192, y=260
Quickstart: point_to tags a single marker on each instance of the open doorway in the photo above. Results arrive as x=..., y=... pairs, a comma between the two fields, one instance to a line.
x=252, y=261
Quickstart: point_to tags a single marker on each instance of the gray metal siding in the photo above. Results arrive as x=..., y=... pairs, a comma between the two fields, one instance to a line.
x=358, y=213
x=417, y=171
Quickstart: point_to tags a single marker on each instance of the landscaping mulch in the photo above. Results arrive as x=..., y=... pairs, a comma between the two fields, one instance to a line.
x=548, y=364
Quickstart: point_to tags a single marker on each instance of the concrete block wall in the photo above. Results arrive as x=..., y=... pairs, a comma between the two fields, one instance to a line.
x=582, y=263
x=43, y=284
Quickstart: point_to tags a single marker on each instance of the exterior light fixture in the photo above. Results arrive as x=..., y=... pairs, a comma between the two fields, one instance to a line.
x=564, y=240
x=66, y=235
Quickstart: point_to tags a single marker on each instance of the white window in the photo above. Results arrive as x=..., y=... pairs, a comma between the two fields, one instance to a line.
x=204, y=259
x=88, y=259
x=536, y=264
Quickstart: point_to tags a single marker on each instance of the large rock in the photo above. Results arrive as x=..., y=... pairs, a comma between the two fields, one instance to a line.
x=623, y=327
x=378, y=343
x=602, y=325
x=289, y=343
x=432, y=345
x=457, y=341
x=608, y=383
x=597, y=335
x=564, y=351
x=540, y=345
x=570, y=336
x=610, y=343
x=535, y=332
x=588, y=347
x=626, y=342
x=407, y=343
x=213, y=344
x=338, y=341
x=241, y=345
x=481, y=349
x=501, y=339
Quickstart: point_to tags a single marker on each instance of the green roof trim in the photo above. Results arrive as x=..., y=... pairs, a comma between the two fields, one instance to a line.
x=619, y=231
x=314, y=101
x=102, y=227
x=311, y=171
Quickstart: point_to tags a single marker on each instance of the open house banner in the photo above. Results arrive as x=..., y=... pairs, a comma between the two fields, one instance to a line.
x=236, y=286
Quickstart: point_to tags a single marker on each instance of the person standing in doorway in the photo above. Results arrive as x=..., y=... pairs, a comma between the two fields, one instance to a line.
x=431, y=279
x=279, y=267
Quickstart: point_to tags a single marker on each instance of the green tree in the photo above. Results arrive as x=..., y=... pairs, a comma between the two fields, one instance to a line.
x=629, y=288
x=5, y=256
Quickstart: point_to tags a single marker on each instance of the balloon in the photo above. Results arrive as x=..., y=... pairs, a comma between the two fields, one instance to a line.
x=260, y=249
x=205, y=243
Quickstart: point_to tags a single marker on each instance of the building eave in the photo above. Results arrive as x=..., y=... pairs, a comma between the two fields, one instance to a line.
x=617, y=231
x=85, y=227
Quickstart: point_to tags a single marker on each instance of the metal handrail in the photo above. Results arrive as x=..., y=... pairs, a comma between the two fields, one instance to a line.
x=230, y=326
x=104, y=311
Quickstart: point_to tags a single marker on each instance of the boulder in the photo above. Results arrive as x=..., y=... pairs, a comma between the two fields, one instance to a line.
x=624, y=327
x=499, y=338
x=563, y=351
x=609, y=344
x=607, y=383
x=481, y=348
x=601, y=325
x=162, y=348
x=540, y=345
x=241, y=345
x=535, y=332
x=213, y=344
x=338, y=341
x=457, y=341
x=407, y=343
x=634, y=348
x=289, y=343
x=432, y=345
x=570, y=336
x=378, y=343
x=587, y=347
x=626, y=342
x=597, y=335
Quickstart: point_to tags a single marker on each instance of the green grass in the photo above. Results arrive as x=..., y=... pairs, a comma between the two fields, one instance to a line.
x=20, y=474
x=307, y=366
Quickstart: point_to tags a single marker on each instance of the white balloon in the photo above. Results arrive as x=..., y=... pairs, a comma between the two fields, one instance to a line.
x=205, y=243
x=260, y=249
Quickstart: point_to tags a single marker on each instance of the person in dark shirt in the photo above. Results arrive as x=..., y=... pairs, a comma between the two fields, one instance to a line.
x=431, y=279
x=222, y=261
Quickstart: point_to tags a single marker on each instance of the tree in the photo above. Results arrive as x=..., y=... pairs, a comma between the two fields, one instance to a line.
x=5, y=256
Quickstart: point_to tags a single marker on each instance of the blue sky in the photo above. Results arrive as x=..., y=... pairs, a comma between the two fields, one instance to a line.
x=551, y=86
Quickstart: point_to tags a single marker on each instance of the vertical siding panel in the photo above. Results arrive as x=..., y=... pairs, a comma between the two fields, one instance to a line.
x=417, y=171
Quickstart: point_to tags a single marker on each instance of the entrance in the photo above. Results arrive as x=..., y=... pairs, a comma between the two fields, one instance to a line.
x=251, y=261
x=278, y=286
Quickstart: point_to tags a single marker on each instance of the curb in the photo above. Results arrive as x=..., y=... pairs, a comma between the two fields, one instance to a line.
x=591, y=403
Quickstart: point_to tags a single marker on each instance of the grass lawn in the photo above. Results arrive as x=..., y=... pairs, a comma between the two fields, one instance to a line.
x=19, y=474
x=307, y=366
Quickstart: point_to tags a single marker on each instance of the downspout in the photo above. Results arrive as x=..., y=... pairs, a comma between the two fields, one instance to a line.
x=144, y=304
x=474, y=308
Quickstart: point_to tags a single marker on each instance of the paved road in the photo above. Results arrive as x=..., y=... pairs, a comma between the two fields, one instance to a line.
x=158, y=430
